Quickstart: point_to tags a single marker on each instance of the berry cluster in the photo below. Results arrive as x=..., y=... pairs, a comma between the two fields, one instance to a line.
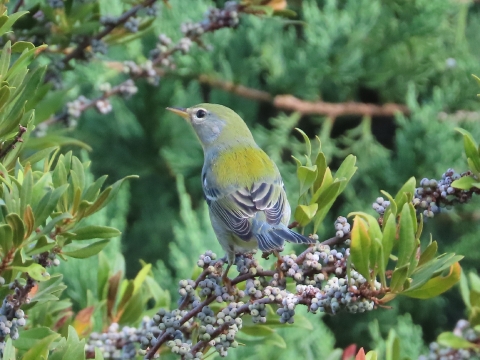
x=11, y=316
x=76, y=107
x=117, y=343
x=464, y=330
x=380, y=205
x=433, y=194
x=322, y=284
x=99, y=46
x=132, y=24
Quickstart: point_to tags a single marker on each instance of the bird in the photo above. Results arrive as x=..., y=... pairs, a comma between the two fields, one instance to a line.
x=242, y=186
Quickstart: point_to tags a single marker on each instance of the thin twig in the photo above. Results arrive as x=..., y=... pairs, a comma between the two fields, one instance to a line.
x=78, y=51
x=11, y=146
x=18, y=5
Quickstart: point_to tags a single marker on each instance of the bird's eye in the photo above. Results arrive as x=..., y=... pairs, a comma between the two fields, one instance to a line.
x=201, y=114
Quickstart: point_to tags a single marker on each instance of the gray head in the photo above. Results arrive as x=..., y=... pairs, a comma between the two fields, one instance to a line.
x=215, y=125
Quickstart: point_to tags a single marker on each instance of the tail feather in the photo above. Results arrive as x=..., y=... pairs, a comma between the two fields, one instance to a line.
x=273, y=238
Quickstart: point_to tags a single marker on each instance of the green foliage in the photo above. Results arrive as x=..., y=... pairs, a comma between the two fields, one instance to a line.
x=369, y=51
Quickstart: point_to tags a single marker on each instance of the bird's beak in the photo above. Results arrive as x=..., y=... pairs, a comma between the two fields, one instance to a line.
x=180, y=111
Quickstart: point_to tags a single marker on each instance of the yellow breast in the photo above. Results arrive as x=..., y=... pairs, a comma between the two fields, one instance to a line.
x=242, y=166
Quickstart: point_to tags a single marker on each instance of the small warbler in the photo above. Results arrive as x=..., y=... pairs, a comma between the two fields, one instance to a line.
x=242, y=185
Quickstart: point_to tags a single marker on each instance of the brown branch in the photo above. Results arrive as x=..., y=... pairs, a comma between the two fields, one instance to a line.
x=291, y=103
x=18, y=5
x=11, y=146
x=78, y=51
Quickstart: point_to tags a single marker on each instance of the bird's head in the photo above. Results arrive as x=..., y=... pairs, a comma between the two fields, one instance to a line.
x=215, y=125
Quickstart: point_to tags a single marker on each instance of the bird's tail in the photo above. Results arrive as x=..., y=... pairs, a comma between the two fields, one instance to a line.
x=272, y=238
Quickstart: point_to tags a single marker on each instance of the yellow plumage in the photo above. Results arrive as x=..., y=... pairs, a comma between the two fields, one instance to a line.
x=242, y=166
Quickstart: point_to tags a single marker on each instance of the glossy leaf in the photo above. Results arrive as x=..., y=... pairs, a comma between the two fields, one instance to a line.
x=360, y=247
x=321, y=163
x=35, y=271
x=30, y=337
x=436, y=286
x=9, y=350
x=87, y=251
x=464, y=183
x=449, y=339
x=95, y=232
x=346, y=170
x=305, y=213
x=6, y=237
x=428, y=254
x=306, y=177
x=406, y=242
x=41, y=348
x=398, y=279
x=409, y=189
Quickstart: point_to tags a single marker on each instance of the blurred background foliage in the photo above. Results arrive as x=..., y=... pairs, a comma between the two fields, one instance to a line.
x=418, y=54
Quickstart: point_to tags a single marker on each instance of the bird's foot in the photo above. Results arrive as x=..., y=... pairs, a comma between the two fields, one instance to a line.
x=228, y=284
x=278, y=265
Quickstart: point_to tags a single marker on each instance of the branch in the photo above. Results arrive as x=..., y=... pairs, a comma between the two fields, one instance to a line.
x=12, y=145
x=291, y=103
x=271, y=292
x=18, y=5
x=78, y=51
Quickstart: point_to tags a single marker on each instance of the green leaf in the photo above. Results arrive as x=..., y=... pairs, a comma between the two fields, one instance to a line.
x=464, y=183
x=35, y=271
x=41, y=348
x=428, y=254
x=141, y=276
x=9, y=350
x=407, y=243
x=436, y=286
x=23, y=61
x=6, y=237
x=455, y=342
x=87, y=251
x=388, y=238
x=306, y=139
x=47, y=204
x=321, y=163
x=32, y=336
x=52, y=223
x=93, y=190
x=4, y=96
x=49, y=290
x=6, y=26
x=107, y=195
x=18, y=228
x=360, y=247
x=424, y=273
x=346, y=170
x=134, y=309
x=398, y=278
x=306, y=176
x=95, y=232
x=20, y=46
x=305, y=213
x=276, y=340
x=43, y=244
x=471, y=151
x=258, y=330
x=5, y=59
x=26, y=191
x=325, y=201
x=392, y=346
x=98, y=354
x=409, y=189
